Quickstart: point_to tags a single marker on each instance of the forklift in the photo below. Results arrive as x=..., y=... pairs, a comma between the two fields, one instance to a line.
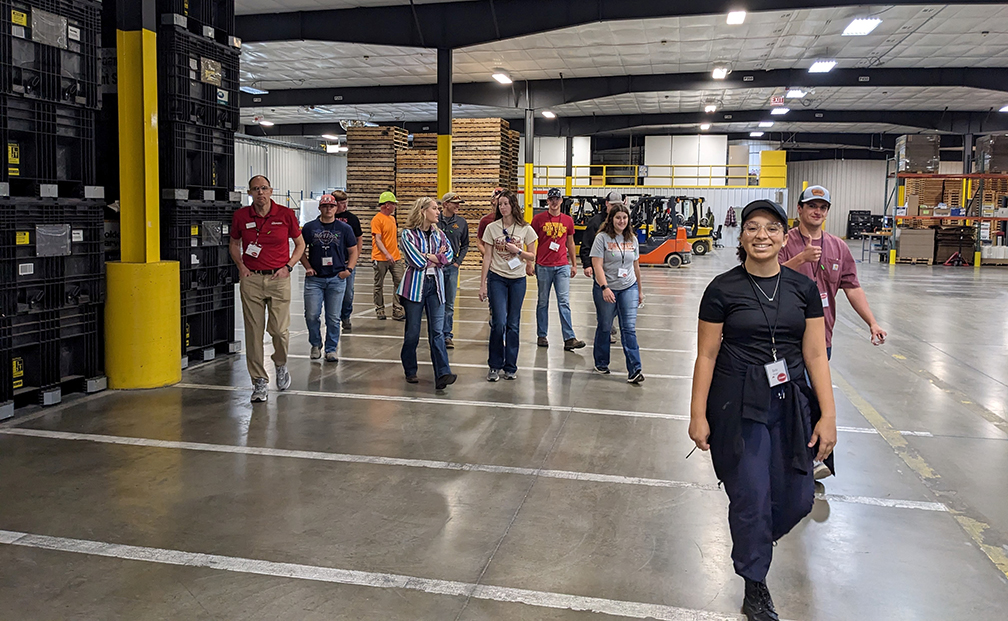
x=699, y=232
x=652, y=219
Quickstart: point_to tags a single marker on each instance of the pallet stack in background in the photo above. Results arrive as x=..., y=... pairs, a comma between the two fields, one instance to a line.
x=198, y=62
x=52, y=282
x=484, y=157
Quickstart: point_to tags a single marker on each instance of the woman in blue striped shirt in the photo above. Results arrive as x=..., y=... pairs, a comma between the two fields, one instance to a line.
x=426, y=251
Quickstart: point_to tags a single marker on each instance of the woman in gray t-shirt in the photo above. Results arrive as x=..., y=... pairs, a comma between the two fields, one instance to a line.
x=615, y=261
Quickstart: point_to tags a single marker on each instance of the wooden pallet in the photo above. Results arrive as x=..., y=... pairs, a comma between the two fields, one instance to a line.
x=914, y=261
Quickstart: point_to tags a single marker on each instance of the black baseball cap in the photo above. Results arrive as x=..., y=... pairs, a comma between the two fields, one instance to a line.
x=773, y=208
x=554, y=193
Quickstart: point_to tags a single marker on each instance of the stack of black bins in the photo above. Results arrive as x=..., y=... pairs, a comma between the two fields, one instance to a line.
x=52, y=267
x=198, y=117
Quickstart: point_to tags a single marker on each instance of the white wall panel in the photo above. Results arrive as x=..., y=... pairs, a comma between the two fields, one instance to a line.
x=582, y=157
x=712, y=151
x=853, y=184
x=294, y=173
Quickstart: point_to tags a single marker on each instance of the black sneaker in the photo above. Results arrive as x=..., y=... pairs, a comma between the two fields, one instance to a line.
x=757, y=605
x=635, y=378
x=347, y=327
x=602, y=370
x=445, y=380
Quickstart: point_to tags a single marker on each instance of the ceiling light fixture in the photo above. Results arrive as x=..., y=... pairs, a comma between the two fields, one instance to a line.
x=266, y=123
x=330, y=137
x=502, y=76
x=755, y=134
x=705, y=126
x=1005, y=109
x=766, y=123
x=736, y=17
x=861, y=26
x=822, y=66
x=549, y=114
x=720, y=73
x=251, y=90
x=709, y=108
x=780, y=111
x=795, y=93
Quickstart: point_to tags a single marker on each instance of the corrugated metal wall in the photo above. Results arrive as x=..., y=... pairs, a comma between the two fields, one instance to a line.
x=853, y=184
x=293, y=172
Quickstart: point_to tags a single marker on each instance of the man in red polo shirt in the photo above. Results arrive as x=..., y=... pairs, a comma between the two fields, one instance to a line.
x=260, y=247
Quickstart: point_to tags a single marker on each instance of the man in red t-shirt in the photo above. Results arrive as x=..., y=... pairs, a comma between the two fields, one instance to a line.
x=827, y=260
x=555, y=266
x=260, y=246
x=487, y=219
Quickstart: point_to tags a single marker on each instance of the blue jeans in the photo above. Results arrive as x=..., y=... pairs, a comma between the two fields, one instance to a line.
x=348, y=298
x=450, y=289
x=626, y=307
x=506, y=296
x=319, y=289
x=435, y=337
x=558, y=277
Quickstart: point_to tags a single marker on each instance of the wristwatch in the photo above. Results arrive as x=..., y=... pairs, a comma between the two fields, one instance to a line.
x=289, y=268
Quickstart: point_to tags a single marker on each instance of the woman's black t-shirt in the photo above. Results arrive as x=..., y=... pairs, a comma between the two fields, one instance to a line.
x=731, y=299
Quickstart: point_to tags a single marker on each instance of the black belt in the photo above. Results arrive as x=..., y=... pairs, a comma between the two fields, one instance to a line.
x=266, y=272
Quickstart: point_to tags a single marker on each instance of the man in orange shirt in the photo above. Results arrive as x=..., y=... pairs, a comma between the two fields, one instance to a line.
x=386, y=257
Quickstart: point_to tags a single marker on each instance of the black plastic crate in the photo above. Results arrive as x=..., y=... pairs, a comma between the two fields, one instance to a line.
x=207, y=329
x=81, y=343
x=196, y=158
x=32, y=360
x=198, y=80
x=216, y=14
x=47, y=143
x=49, y=50
x=197, y=235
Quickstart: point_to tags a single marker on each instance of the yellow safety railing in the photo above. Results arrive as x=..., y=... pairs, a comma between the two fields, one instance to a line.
x=599, y=176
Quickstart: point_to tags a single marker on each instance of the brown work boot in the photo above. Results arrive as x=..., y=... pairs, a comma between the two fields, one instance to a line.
x=542, y=342
x=380, y=312
x=570, y=344
x=398, y=314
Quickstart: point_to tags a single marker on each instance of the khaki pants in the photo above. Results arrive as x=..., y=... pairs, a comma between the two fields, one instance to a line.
x=259, y=292
x=397, y=269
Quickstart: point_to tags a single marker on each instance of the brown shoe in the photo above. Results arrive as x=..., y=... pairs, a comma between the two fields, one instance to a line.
x=380, y=312
x=542, y=342
x=570, y=344
x=398, y=316
x=448, y=344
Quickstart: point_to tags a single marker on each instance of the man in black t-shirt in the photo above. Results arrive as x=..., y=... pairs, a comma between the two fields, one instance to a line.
x=345, y=216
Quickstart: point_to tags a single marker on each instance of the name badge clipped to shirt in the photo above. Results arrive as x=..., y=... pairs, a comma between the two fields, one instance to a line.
x=554, y=246
x=623, y=272
x=777, y=372
x=825, y=299
x=253, y=250
x=514, y=263
x=250, y=225
x=326, y=261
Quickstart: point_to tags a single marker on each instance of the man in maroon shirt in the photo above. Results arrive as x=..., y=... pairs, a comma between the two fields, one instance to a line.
x=487, y=219
x=260, y=246
x=554, y=268
x=827, y=260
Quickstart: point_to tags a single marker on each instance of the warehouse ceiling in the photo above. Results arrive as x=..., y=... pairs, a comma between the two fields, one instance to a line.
x=776, y=46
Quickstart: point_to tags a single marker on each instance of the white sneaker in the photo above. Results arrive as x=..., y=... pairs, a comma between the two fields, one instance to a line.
x=259, y=393
x=316, y=353
x=331, y=356
x=283, y=378
x=820, y=471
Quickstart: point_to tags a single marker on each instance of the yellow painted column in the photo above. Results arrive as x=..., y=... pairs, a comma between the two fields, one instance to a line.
x=444, y=165
x=528, y=191
x=568, y=185
x=143, y=345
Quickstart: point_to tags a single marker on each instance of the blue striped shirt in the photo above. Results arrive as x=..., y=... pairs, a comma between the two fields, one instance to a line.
x=414, y=245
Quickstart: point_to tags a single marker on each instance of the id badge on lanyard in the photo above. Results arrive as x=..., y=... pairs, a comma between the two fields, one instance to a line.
x=253, y=250
x=554, y=246
x=777, y=372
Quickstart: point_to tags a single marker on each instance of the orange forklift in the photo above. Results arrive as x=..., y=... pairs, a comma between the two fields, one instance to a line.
x=660, y=242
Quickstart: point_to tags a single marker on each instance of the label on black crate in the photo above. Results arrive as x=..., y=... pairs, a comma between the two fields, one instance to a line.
x=73, y=33
x=22, y=238
x=19, y=18
x=194, y=260
x=26, y=269
x=222, y=97
x=18, y=31
x=17, y=365
x=77, y=236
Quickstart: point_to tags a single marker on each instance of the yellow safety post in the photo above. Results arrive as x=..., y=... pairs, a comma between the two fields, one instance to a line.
x=528, y=191
x=444, y=165
x=143, y=339
x=568, y=185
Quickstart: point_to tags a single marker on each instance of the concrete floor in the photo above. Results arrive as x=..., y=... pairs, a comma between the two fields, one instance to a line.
x=559, y=496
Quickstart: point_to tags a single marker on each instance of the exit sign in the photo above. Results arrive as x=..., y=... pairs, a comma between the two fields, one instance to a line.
x=777, y=101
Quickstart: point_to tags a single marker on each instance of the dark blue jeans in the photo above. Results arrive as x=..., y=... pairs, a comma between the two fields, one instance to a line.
x=348, y=298
x=506, y=296
x=767, y=496
x=435, y=337
x=451, y=273
x=626, y=308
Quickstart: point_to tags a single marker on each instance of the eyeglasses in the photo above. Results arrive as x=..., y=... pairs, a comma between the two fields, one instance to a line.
x=260, y=188
x=773, y=228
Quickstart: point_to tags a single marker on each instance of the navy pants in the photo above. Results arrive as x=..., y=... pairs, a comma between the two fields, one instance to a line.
x=767, y=496
x=434, y=307
x=506, y=297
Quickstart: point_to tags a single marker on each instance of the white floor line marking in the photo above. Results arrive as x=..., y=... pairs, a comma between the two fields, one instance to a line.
x=493, y=405
x=470, y=365
x=582, y=327
x=314, y=573
x=568, y=475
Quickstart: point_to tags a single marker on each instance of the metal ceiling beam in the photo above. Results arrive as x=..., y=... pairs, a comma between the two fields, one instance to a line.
x=688, y=122
x=461, y=24
x=550, y=93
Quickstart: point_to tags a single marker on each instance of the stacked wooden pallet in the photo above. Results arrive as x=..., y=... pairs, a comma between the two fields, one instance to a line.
x=484, y=157
x=930, y=192
x=371, y=170
x=425, y=141
x=416, y=176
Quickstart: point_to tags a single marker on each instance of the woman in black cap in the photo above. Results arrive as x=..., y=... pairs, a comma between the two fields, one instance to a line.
x=760, y=344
